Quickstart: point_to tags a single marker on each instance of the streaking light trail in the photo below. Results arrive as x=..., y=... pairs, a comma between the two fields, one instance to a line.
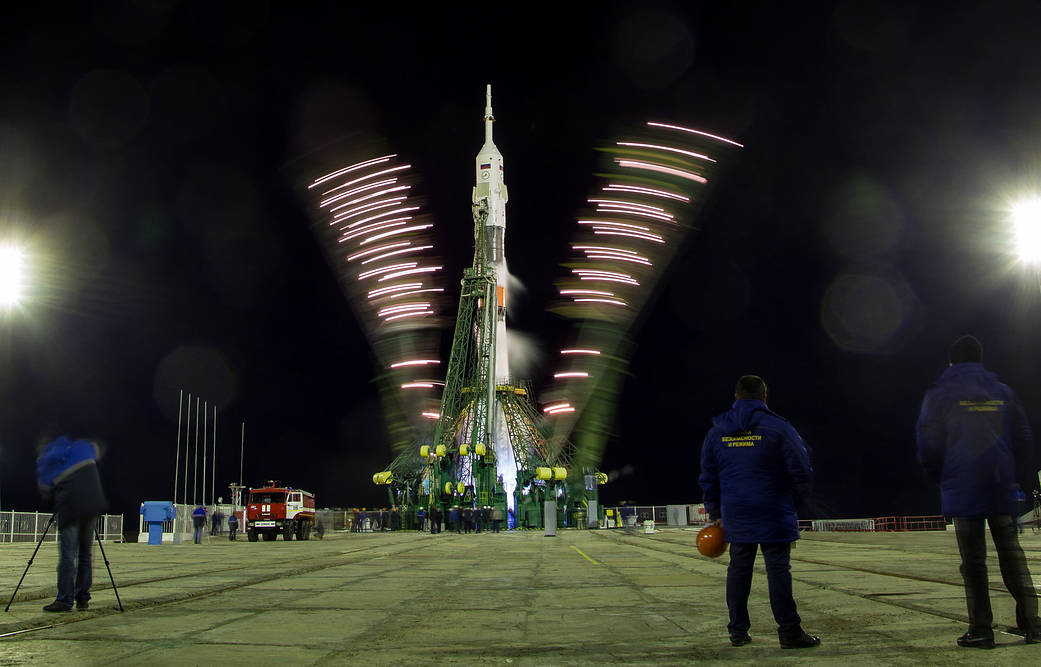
x=704, y=134
x=353, y=167
x=614, y=187
x=672, y=171
x=415, y=362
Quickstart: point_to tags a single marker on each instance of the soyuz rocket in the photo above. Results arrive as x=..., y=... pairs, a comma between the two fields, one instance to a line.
x=490, y=185
x=490, y=189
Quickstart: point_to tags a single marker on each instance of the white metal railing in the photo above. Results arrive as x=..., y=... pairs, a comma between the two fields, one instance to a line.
x=29, y=527
x=682, y=515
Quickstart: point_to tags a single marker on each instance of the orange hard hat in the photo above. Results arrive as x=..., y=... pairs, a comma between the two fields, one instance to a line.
x=711, y=541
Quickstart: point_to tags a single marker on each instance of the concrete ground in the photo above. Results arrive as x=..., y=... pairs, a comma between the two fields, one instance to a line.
x=516, y=598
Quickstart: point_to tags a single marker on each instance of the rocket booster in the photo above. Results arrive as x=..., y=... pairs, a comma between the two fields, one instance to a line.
x=490, y=185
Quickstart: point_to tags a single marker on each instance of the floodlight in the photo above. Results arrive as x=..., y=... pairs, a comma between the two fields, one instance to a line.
x=12, y=270
x=1026, y=217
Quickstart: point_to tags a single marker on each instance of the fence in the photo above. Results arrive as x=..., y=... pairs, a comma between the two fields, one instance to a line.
x=29, y=526
x=661, y=515
x=883, y=524
x=695, y=515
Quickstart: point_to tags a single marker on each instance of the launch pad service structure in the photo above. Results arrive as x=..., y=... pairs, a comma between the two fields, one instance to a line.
x=487, y=450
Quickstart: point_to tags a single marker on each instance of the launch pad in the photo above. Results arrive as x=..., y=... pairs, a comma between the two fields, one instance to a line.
x=587, y=597
x=484, y=443
x=486, y=450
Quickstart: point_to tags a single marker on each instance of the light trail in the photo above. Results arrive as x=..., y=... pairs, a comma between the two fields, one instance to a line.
x=650, y=166
x=365, y=253
x=384, y=224
x=635, y=235
x=591, y=292
x=385, y=191
x=409, y=314
x=618, y=202
x=386, y=269
x=365, y=178
x=623, y=225
x=635, y=189
x=571, y=374
x=403, y=251
x=613, y=208
x=395, y=232
x=618, y=258
x=602, y=273
x=666, y=148
x=360, y=188
x=408, y=272
x=415, y=362
x=599, y=248
x=613, y=302
x=405, y=307
x=577, y=350
x=394, y=288
x=350, y=168
x=431, y=415
x=418, y=291
x=417, y=385
x=406, y=209
x=343, y=216
x=704, y=134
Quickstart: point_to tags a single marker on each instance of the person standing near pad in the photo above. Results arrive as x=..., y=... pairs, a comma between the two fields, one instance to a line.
x=198, y=523
x=753, y=463
x=67, y=473
x=971, y=433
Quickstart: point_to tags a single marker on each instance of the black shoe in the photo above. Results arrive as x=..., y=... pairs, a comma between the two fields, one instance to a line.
x=739, y=639
x=969, y=640
x=58, y=606
x=802, y=641
x=1033, y=637
x=82, y=604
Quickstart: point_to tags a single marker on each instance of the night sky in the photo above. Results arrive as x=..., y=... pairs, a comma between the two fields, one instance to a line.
x=151, y=156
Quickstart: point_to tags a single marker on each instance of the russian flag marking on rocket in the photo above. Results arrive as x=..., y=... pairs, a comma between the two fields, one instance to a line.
x=486, y=166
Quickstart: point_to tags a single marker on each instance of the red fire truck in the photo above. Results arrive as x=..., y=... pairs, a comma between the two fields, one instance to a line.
x=275, y=510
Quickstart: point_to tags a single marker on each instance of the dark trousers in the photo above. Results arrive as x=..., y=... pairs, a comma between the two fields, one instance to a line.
x=778, y=577
x=75, y=567
x=973, y=547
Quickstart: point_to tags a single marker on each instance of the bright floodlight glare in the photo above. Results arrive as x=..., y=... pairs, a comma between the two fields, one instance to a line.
x=12, y=270
x=1026, y=216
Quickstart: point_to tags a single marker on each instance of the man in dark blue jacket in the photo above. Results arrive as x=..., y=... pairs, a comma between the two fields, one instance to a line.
x=67, y=472
x=972, y=433
x=753, y=463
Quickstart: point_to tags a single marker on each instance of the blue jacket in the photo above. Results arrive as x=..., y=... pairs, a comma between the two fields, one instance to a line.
x=972, y=431
x=753, y=463
x=67, y=471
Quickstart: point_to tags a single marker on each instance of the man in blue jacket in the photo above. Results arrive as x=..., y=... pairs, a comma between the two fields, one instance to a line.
x=972, y=434
x=198, y=523
x=753, y=463
x=67, y=473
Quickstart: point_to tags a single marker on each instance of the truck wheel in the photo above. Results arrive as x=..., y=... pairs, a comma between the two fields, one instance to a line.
x=252, y=535
x=287, y=533
x=269, y=537
x=305, y=530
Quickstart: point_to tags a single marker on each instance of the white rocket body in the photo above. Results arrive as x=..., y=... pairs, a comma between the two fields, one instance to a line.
x=491, y=185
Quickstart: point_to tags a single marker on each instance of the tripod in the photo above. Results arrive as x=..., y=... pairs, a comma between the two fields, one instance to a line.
x=37, y=549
